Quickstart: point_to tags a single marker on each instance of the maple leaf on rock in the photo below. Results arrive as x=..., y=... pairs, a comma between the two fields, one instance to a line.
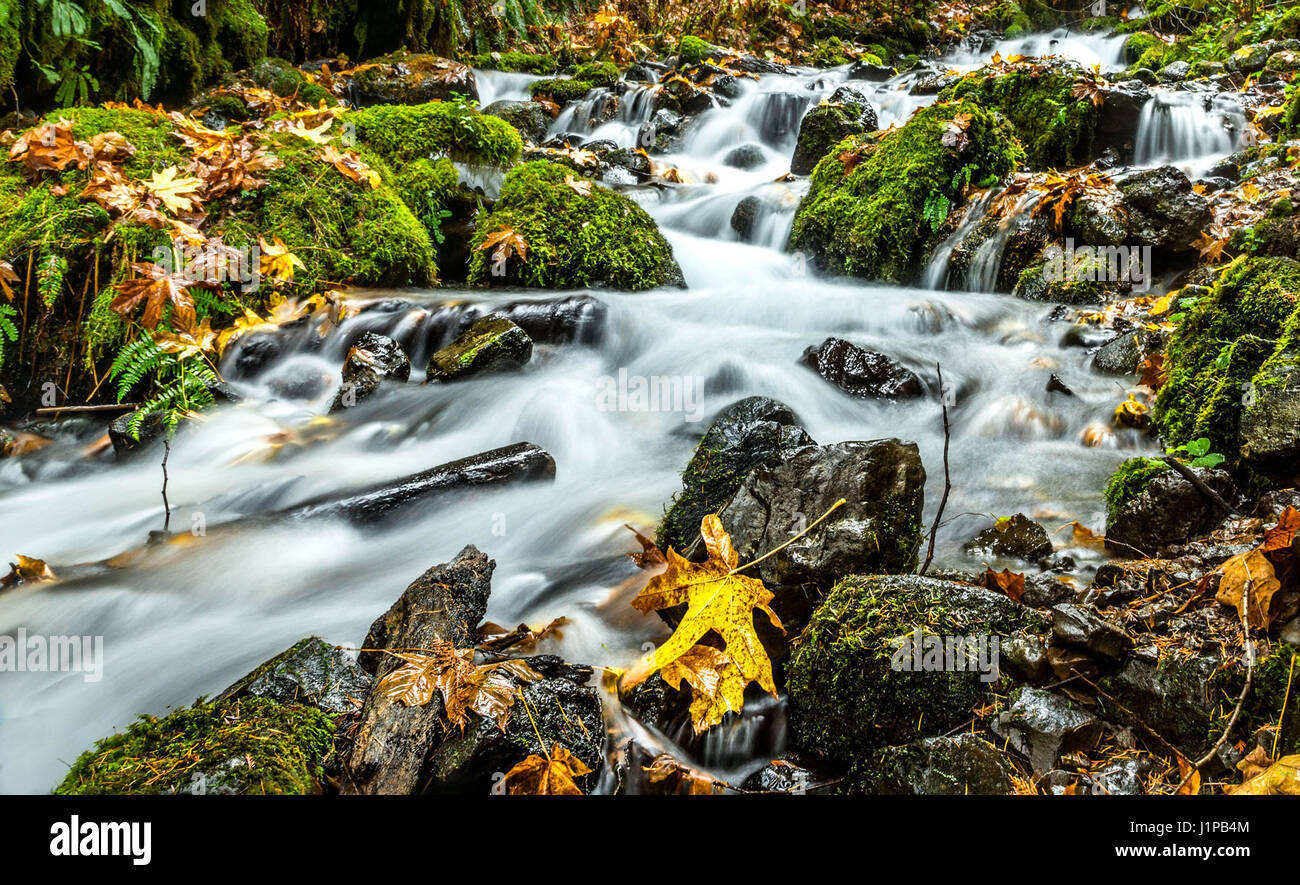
x=718, y=599
x=156, y=288
x=542, y=776
x=717, y=686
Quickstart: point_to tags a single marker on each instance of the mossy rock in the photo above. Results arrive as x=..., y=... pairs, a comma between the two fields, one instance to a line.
x=1056, y=129
x=491, y=344
x=560, y=90
x=1221, y=345
x=575, y=239
x=829, y=53
x=519, y=62
x=246, y=746
x=876, y=200
x=846, y=699
x=692, y=50
x=1128, y=481
x=405, y=133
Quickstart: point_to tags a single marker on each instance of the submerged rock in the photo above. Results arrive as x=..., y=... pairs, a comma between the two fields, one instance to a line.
x=371, y=360
x=862, y=373
x=1017, y=536
x=490, y=344
x=747, y=156
x=748, y=433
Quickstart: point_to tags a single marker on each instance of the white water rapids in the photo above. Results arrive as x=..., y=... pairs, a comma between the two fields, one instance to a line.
x=188, y=620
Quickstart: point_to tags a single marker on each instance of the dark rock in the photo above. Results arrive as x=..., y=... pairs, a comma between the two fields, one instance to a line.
x=862, y=373
x=1026, y=657
x=1044, y=590
x=393, y=741
x=529, y=117
x=1270, y=424
x=1175, y=71
x=877, y=531
x=635, y=163
x=742, y=219
x=1169, y=511
x=491, y=344
x=872, y=73
x=964, y=765
x=1056, y=385
x=127, y=442
x=520, y=462
x=826, y=125
x=1118, y=116
x=1164, y=211
x=371, y=360
x=747, y=156
x=1177, y=698
x=748, y=433
x=781, y=777
x=1119, y=356
x=1041, y=726
x=310, y=672
x=1018, y=536
x=254, y=352
x=1083, y=628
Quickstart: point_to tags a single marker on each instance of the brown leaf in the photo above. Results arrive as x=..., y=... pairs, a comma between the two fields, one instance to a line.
x=717, y=685
x=679, y=778
x=1248, y=580
x=650, y=554
x=540, y=776
x=156, y=288
x=1005, y=581
x=27, y=570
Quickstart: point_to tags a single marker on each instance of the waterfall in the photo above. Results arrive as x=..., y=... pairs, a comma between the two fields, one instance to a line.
x=1187, y=129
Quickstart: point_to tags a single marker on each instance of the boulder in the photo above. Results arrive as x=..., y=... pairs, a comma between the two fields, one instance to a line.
x=371, y=360
x=1119, y=356
x=310, y=672
x=849, y=690
x=878, y=530
x=862, y=373
x=1164, y=211
x=529, y=117
x=490, y=344
x=1041, y=726
x=964, y=765
x=744, y=435
x=826, y=125
x=872, y=73
x=411, y=79
x=1017, y=536
x=1270, y=423
x=1169, y=511
x=1082, y=627
x=747, y=156
x=744, y=216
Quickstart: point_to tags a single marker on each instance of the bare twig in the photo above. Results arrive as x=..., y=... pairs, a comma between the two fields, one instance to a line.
x=947, y=481
x=86, y=410
x=167, y=510
x=1208, y=493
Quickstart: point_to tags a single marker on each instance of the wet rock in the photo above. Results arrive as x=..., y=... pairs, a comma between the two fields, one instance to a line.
x=1178, y=698
x=748, y=433
x=964, y=765
x=412, y=79
x=662, y=132
x=371, y=360
x=310, y=672
x=1175, y=71
x=529, y=117
x=1017, y=536
x=872, y=73
x=1026, y=657
x=853, y=687
x=635, y=163
x=862, y=373
x=1164, y=211
x=1169, y=511
x=565, y=710
x=743, y=217
x=1123, y=778
x=1044, y=590
x=878, y=530
x=826, y=125
x=781, y=777
x=1041, y=726
x=393, y=741
x=1056, y=385
x=491, y=344
x=1270, y=425
x=1117, y=120
x=751, y=64
x=747, y=156
x=1119, y=356
x=128, y=441
x=521, y=462
x=1082, y=627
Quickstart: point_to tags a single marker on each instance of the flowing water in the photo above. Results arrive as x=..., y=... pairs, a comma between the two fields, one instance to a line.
x=186, y=620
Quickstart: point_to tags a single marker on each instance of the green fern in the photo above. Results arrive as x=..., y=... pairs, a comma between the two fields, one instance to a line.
x=7, y=329
x=177, y=384
x=133, y=362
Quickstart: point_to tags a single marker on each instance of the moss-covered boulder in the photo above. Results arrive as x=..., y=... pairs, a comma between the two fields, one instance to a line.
x=412, y=78
x=582, y=79
x=1218, y=352
x=877, y=199
x=578, y=234
x=849, y=696
x=1128, y=481
x=692, y=50
x=405, y=134
x=1056, y=129
x=491, y=344
x=964, y=765
x=519, y=62
x=245, y=746
x=826, y=125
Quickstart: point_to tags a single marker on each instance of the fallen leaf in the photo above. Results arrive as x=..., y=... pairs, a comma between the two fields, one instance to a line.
x=1282, y=778
x=464, y=685
x=540, y=776
x=27, y=570
x=678, y=778
x=717, y=686
x=177, y=194
x=1249, y=577
x=1006, y=581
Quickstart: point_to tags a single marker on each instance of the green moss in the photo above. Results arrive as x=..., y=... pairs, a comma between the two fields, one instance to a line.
x=561, y=90
x=597, y=73
x=403, y=134
x=250, y=746
x=573, y=240
x=1128, y=481
x=523, y=62
x=845, y=697
x=1142, y=46
x=1291, y=116
x=694, y=50
x=830, y=53
x=1056, y=129
x=1219, y=347
x=1287, y=25
x=873, y=219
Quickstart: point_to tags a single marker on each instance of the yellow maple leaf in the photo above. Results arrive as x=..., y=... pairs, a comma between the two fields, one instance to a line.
x=542, y=776
x=1282, y=778
x=277, y=261
x=717, y=686
x=177, y=194
x=718, y=598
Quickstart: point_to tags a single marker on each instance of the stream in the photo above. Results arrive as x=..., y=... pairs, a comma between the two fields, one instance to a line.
x=187, y=620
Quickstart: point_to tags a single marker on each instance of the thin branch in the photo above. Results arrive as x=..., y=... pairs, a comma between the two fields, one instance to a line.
x=167, y=510
x=1208, y=493
x=947, y=480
